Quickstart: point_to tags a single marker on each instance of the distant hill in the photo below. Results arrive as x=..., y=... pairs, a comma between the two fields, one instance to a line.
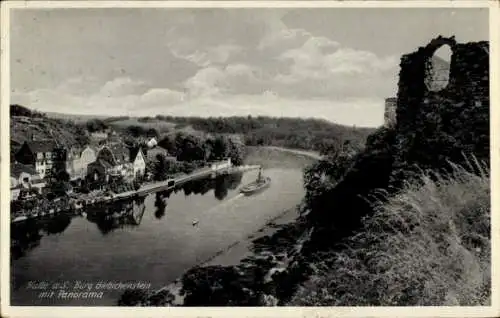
x=296, y=133
x=74, y=117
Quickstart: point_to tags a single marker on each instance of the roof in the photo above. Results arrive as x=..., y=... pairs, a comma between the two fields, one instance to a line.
x=120, y=152
x=103, y=163
x=17, y=168
x=75, y=151
x=41, y=145
x=133, y=153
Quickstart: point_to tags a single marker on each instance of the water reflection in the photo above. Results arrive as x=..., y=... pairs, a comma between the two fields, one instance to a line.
x=26, y=235
x=118, y=215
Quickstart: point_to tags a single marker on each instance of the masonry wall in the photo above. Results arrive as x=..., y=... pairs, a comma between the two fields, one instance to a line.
x=433, y=126
x=390, y=111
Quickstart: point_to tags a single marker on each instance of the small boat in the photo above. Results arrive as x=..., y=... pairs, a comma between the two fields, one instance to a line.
x=258, y=185
x=20, y=218
x=195, y=222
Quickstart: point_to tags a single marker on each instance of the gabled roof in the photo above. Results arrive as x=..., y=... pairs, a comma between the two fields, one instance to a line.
x=102, y=163
x=41, y=145
x=134, y=152
x=120, y=152
x=17, y=168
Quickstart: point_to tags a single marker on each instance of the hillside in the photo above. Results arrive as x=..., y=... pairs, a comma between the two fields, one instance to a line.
x=25, y=124
x=297, y=133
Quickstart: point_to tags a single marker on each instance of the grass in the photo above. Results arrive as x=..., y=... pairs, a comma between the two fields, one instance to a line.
x=429, y=245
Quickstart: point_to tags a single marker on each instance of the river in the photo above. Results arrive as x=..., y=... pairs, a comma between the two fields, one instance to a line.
x=149, y=243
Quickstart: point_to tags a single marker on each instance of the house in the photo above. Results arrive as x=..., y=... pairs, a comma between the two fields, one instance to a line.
x=118, y=156
x=152, y=153
x=138, y=162
x=38, y=154
x=100, y=135
x=20, y=177
x=73, y=162
x=99, y=171
x=152, y=143
x=78, y=161
x=224, y=164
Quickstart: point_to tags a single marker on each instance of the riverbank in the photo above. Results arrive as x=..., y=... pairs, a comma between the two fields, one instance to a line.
x=272, y=243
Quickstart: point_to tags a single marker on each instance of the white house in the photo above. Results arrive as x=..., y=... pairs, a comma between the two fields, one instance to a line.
x=152, y=142
x=221, y=164
x=87, y=156
x=139, y=163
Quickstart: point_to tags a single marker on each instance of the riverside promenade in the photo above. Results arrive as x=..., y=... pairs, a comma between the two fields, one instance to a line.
x=144, y=190
x=171, y=183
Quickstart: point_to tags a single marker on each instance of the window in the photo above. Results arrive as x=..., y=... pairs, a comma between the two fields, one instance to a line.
x=26, y=179
x=438, y=69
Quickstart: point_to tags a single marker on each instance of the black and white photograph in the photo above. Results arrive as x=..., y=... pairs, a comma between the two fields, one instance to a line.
x=246, y=156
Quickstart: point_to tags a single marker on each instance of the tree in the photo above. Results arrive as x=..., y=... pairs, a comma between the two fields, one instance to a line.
x=220, y=148
x=160, y=168
x=169, y=144
x=81, y=136
x=132, y=297
x=189, y=148
x=152, y=133
x=236, y=151
x=94, y=125
x=135, y=131
x=57, y=176
x=215, y=286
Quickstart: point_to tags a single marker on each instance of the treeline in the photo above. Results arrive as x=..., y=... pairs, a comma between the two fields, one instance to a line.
x=193, y=151
x=18, y=110
x=191, y=147
x=307, y=134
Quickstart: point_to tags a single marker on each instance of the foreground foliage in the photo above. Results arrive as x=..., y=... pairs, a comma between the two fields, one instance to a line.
x=427, y=245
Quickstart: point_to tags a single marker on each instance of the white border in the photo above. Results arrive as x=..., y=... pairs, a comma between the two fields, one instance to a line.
x=492, y=311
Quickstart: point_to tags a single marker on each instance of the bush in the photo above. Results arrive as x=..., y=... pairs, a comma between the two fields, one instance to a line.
x=132, y=297
x=427, y=245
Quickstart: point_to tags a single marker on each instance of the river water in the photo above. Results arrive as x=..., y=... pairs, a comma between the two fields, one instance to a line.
x=144, y=242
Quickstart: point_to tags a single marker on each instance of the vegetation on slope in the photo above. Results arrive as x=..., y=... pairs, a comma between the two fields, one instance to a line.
x=26, y=124
x=307, y=134
x=428, y=245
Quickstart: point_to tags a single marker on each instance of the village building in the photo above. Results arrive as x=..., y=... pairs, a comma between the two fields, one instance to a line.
x=23, y=177
x=100, y=135
x=138, y=162
x=38, y=154
x=78, y=160
x=99, y=171
x=152, y=154
x=112, y=160
x=73, y=162
x=151, y=143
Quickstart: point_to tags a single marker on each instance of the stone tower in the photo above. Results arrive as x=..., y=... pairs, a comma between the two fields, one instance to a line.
x=390, y=111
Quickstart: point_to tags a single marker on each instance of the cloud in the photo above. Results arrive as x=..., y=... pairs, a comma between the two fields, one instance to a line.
x=122, y=86
x=118, y=96
x=246, y=64
x=186, y=49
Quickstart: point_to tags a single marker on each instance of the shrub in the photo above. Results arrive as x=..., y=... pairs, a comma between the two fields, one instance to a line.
x=427, y=245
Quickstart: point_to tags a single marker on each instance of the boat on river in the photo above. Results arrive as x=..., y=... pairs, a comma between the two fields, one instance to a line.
x=258, y=185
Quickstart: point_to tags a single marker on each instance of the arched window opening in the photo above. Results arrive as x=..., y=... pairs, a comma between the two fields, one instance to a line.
x=438, y=69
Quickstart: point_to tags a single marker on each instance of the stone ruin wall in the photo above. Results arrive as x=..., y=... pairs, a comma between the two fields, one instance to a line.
x=433, y=125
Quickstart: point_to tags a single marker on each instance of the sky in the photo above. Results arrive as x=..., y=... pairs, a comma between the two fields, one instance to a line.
x=337, y=64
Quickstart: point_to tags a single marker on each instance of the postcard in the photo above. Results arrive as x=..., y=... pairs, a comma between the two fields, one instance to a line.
x=253, y=158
